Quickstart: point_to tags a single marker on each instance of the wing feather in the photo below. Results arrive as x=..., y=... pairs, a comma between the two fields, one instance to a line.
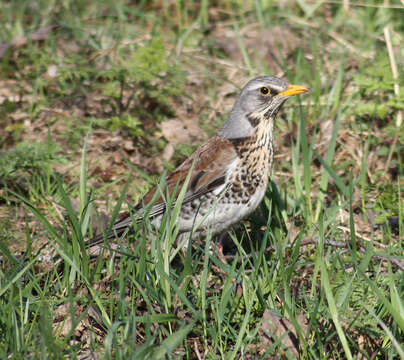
x=209, y=167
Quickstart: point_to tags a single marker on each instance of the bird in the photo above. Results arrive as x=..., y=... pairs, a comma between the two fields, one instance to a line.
x=226, y=178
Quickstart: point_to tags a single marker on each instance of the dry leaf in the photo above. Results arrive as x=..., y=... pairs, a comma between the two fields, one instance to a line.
x=274, y=328
x=180, y=131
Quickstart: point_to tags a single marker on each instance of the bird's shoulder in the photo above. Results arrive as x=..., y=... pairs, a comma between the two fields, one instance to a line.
x=208, y=166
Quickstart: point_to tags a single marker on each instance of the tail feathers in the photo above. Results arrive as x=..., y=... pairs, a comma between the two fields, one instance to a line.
x=117, y=230
x=123, y=225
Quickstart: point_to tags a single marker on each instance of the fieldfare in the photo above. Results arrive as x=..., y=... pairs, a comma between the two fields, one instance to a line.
x=227, y=177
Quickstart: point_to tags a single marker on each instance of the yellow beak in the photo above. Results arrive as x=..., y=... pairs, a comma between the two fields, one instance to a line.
x=294, y=90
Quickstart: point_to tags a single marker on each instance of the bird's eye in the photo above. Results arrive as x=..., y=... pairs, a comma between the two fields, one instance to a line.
x=265, y=91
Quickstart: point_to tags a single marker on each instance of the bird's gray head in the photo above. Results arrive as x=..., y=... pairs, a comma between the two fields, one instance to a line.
x=260, y=99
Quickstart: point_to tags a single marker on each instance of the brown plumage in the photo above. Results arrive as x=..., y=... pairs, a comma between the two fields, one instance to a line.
x=209, y=163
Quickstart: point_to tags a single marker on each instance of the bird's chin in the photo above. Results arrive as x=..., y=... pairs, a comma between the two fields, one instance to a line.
x=273, y=108
x=280, y=99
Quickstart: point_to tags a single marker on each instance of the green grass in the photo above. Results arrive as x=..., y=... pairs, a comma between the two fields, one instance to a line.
x=81, y=111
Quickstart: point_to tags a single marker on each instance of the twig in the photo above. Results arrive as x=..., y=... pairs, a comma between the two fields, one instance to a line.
x=198, y=354
x=340, y=244
x=347, y=44
x=363, y=4
x=361, y=249
x=394, y=71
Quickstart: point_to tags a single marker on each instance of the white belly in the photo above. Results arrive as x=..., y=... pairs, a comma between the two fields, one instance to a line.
x=223, y=215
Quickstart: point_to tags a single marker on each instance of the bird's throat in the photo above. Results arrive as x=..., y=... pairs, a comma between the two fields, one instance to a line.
x=256, y=151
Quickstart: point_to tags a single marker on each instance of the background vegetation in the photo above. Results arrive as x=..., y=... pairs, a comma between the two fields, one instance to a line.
x=99, y=98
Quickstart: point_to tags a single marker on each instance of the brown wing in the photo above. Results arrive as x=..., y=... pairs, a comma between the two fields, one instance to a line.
x=210, y=163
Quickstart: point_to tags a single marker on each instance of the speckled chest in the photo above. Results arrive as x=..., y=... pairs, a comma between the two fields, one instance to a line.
x=254, y=167
x=246, y=183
